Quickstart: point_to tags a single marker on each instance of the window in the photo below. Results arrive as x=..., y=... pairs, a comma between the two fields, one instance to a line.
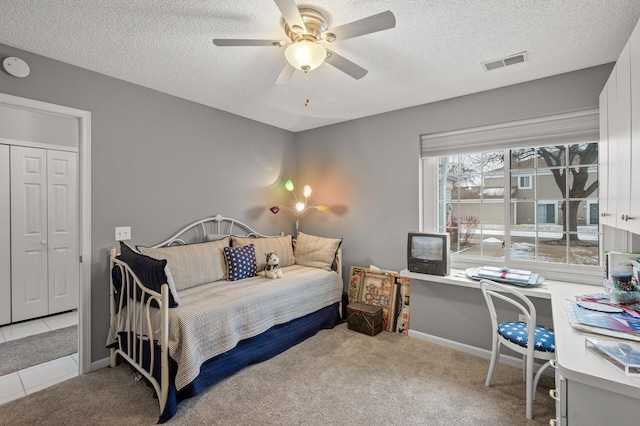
x=471, y=203
x=524, y=182
x=547, y=212
x=532, y=206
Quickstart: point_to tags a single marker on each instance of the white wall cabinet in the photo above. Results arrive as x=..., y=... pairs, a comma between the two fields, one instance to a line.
x=620, y=141
x=634, y=196
x=5, y=239
x=44, y=254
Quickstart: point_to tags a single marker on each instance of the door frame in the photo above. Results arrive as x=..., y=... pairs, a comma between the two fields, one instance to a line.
x=84, y=214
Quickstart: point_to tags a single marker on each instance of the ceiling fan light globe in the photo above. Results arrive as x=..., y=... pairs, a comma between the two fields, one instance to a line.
x=305, y=55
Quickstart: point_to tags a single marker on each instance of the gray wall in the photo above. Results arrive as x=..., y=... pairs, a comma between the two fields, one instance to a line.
x=370, y=165
x=159, y=162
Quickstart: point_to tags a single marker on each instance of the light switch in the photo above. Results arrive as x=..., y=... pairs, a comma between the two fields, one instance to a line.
x=123, y=233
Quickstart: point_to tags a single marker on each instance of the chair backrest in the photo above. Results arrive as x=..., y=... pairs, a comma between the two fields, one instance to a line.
x=491, y=289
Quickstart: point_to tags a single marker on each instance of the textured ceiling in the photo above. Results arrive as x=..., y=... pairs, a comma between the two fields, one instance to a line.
x=434, y=52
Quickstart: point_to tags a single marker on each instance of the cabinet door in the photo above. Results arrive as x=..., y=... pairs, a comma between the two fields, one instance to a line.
x=623, y=169
x=29, y=289
x=610, y=214
x=603, y=159
x=5, y=237
x=62, y=235
x=634, y=46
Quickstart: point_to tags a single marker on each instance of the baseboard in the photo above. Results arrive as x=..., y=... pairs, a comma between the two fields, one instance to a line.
x=484, y=353
x=101, y=363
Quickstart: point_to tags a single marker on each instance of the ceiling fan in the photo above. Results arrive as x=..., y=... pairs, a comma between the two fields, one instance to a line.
x=308, y=32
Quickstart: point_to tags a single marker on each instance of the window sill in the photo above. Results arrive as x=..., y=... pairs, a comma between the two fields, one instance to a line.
x=458, y=277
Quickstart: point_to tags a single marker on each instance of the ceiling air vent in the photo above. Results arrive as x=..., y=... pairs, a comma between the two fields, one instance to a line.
x=509, y=60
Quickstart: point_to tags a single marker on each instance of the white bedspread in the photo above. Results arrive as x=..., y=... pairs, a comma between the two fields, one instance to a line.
x=213, y=318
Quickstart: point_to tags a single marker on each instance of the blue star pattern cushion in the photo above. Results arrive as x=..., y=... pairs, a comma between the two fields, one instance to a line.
x=516, y=332
x=241, y=262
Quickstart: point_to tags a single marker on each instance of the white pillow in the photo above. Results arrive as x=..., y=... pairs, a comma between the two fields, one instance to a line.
x=317, y=252
x=192, y=264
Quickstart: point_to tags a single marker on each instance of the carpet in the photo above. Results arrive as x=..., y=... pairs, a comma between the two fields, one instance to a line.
x=36, y=349
x=338, y=377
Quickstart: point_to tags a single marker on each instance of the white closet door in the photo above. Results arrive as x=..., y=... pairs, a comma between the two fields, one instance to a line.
x=5, y=237
x=62, y=227
x=29, y=289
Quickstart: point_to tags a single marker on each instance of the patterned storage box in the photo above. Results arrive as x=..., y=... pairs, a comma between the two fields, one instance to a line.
x=363, y=318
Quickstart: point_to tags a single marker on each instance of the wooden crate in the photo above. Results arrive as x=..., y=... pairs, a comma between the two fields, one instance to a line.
x=363, y=318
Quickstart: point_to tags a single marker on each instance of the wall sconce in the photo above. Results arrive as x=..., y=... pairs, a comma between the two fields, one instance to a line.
x=300, y=206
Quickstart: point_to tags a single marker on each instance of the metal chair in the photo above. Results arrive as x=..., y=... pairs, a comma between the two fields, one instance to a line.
x=515, y=335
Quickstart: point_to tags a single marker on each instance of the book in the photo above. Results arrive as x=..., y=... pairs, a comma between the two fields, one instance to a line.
x=620, y=322
x=506, y=275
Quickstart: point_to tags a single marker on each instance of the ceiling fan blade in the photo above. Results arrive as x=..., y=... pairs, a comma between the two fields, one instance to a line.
x=223, y=42
x=381, y=21
x=285, y=74
x=291, y=14
x=345, y=65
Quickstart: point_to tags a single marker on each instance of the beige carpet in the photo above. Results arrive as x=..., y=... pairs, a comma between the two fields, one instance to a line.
x=37, y=349
x=338, y=377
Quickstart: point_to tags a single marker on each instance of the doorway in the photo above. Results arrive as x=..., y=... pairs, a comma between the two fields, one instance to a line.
x=56, y=120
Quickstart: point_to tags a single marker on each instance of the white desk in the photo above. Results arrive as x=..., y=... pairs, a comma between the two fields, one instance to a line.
x=591, y=391
x=459, y=277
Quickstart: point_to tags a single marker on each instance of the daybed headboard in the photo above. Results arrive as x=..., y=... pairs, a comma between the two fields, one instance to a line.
x=212, y=228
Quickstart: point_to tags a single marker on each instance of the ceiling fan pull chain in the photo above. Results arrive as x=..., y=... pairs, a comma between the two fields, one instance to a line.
x=306, y=88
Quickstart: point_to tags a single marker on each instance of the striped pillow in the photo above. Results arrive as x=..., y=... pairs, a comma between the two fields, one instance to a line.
x=281, y=245
x=317, y=252
x=192, y=264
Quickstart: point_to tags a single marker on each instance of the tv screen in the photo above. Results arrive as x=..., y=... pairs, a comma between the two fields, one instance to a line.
x=424, y=247
x=428, y=253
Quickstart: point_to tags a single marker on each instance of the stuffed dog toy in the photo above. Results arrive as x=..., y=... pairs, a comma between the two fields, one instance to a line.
x=272, y=269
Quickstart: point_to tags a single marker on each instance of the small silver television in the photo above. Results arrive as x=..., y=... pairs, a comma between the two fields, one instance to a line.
x=428, y=253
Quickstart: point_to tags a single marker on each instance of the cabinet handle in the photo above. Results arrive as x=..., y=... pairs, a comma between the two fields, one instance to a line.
x=553, y=393
x=626, y=217
x=43, y=242
x=553, y=422
x=552, y=363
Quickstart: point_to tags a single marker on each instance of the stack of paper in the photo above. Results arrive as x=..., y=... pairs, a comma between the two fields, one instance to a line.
x=504, y=274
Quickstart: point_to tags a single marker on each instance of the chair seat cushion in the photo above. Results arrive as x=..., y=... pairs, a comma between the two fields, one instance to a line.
x=516, y=332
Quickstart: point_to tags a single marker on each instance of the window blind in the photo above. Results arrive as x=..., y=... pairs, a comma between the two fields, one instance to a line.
x=573, y=127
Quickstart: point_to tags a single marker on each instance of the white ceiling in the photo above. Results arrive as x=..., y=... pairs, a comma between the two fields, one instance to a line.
x=434, y=52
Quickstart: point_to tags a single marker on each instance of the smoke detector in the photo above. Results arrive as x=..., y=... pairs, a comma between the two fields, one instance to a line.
x=503, y=62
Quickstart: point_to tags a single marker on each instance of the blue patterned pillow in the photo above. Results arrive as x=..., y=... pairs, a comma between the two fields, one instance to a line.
x=241, y=262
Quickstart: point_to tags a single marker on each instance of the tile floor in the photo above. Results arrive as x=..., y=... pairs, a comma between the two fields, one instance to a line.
x=38, y=377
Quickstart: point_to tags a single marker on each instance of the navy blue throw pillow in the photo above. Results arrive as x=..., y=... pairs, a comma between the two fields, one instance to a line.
x=151, y=272
x=241, y=262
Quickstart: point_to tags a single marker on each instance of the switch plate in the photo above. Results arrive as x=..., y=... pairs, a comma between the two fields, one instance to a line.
x=123, y=233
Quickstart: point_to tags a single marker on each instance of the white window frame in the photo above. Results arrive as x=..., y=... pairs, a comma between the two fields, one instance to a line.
x=575, y=127
x=588, y=215
x=546, y=203
x=529, y=179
